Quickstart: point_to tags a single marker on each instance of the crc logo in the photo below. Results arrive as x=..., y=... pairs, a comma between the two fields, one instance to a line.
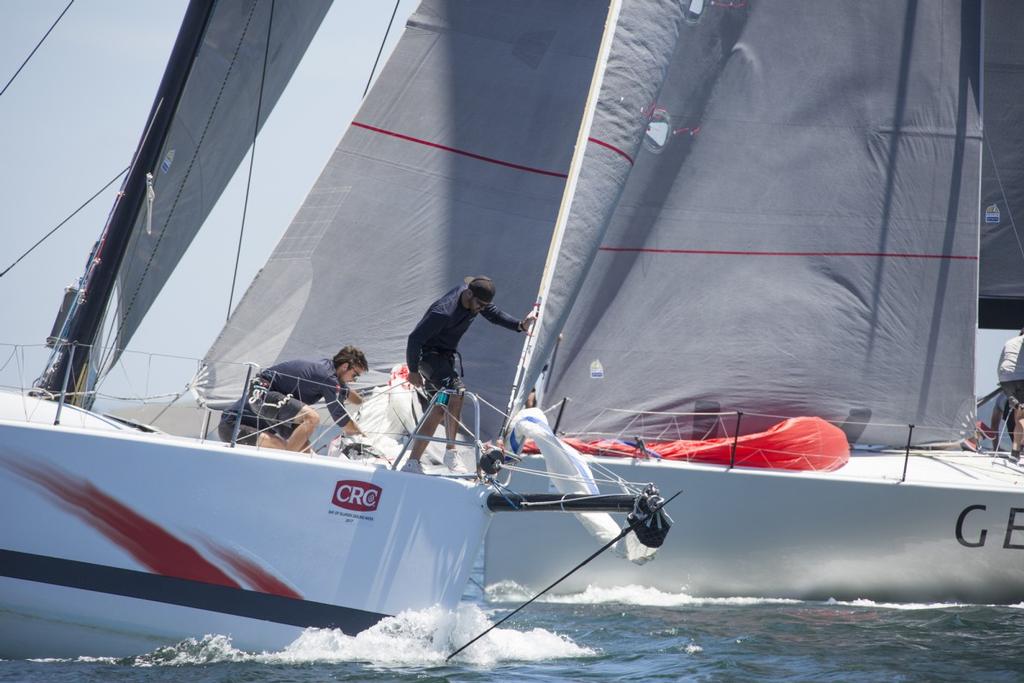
x=361, y=496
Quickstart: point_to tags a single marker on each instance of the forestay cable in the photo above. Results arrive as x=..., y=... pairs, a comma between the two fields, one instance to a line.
x=36, y=48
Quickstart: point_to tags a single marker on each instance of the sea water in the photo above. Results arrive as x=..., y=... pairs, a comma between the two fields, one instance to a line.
x=630, y=633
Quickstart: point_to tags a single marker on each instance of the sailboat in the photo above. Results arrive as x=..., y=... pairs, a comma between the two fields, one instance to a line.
x=769, y=212
x=797, y=235
x=119, y=538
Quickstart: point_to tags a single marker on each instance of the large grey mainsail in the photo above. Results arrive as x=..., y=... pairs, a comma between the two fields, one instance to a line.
x=210, y=134
x=798, y=235
x=454, y=166
x=1001, y=295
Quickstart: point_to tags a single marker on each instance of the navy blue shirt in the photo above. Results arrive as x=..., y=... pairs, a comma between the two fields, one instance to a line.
x=444, y=323
x=307, y=381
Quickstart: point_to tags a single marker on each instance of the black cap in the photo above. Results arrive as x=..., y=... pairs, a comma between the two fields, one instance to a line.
x=481, y=286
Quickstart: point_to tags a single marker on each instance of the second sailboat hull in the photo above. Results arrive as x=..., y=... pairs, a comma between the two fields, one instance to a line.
x=953, y=531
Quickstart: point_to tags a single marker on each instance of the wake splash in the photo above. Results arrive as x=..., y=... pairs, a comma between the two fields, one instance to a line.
x=420, y=638
x=509, y=591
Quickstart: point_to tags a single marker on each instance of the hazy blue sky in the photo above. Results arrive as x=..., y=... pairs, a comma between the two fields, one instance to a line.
x=72, y=119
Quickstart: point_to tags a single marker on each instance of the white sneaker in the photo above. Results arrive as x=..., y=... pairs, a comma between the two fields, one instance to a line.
x=454, y=463
x=413, y=466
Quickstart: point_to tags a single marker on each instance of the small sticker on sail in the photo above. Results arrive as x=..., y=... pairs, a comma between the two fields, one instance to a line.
x=165, y=165
x=596, y=370
x=991, y=213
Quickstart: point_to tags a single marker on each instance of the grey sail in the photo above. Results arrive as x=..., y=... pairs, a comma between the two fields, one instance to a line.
x=642, y=39
x=212, y=130
x=798, y=233
x=454, y=165
x=1001, y=278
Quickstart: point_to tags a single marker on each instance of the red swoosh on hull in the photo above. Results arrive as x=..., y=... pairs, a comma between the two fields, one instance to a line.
x=257, y=577
x=149, y=543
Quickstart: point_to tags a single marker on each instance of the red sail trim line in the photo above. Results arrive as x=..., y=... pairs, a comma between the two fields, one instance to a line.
x=461, y=152
x=717, y=252
x=612, y=148
x=256, y=576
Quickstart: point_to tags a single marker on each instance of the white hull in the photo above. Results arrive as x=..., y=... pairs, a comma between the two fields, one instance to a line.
x=115, y=542
x=855, y=533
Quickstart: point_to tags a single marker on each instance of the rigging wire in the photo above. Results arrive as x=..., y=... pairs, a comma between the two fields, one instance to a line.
x=1002, y=191
x=381, y=50
x=61, y=224
x=252, y=160
x=36, y=48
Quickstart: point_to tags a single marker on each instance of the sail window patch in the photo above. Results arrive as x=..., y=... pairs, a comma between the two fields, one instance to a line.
x=694, y=11
x=659, y=130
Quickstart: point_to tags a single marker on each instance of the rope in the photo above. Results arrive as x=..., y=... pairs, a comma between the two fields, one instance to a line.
x=508, y=616
x=569, y=573
x=61, y=224
x=381, y=50
x=252, y=160
x=36, y=48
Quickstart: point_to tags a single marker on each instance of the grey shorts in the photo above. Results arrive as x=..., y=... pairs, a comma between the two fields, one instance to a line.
x=1014, y=391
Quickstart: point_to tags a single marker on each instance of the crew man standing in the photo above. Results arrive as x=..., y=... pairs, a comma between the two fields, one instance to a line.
x=432, y=350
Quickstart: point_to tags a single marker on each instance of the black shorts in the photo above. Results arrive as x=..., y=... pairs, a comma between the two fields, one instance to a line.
x=438, y=372
x=274, y=411
x=247, y=434
x=1014, y=391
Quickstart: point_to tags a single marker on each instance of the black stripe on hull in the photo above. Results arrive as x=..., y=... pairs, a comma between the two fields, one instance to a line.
x=184, y=592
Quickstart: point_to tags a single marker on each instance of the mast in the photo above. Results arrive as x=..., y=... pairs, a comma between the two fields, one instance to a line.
x=518, y=394
x=86, y=315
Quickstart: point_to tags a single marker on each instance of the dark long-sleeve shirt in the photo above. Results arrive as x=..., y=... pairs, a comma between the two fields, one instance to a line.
x=444, y=323
x=306, y=380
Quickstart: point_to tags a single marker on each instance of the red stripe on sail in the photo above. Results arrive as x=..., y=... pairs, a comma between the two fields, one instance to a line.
x=461, y=152
x=149, y=543
x=716, y=252
x=612, y=148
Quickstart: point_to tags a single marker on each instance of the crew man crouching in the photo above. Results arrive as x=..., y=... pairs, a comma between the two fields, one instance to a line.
x=276, y=412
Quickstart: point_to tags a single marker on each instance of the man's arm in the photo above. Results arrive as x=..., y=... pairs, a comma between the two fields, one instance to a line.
x=499, y=317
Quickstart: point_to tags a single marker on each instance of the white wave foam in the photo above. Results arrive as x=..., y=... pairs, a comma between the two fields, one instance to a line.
x=415, y=638
x=509, y=591
x=895, y=605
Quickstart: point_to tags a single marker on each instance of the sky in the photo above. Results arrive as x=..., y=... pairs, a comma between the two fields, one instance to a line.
x=73, y=117
x=70, y=122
